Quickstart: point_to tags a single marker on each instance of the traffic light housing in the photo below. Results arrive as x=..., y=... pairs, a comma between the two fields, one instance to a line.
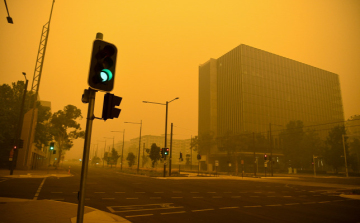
x=166, y=152
x=52, y=146
x=265, y=157
x=102, y=66
x=109, y=110
x=162, y=152
x=180, y=155
x=198, y=156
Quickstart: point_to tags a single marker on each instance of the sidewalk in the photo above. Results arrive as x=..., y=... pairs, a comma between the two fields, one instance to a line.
x=14, y=210
x=51, y=172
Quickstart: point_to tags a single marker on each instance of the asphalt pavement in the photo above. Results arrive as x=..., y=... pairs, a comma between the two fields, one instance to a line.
x=112, y=196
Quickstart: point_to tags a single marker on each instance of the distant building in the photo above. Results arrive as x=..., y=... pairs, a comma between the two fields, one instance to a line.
x=247, y=89
x=30, y=157
x=178, y=145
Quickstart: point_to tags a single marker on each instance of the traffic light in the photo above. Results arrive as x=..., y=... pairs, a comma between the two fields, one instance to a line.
x=102, y=66
x=198, y=156
x=180, y=155
x=166, y=152
x=54, y=151
x=162, y=152
x=109, y=110
x=265, y=157
x=51, y=146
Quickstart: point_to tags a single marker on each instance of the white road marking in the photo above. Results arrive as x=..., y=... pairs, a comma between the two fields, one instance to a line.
x=256, y=206
x=131, y=216
x=322, y=202
x=228, y=207
x=178, y=212
x=210, y=209
x=39, y=189
x=273, y=205
x=292, y=204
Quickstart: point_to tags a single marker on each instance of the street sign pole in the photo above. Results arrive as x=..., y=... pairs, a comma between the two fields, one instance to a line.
x=89, y=96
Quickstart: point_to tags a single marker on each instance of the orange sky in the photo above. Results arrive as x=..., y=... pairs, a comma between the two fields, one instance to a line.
x=160, y=45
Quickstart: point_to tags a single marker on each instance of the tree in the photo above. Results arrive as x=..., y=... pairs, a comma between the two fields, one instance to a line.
x=131, y=159
x=114, y=157
x=292, y=139
x=65, y=128
x=334, y=150
x=154, y=154
x=11, y=100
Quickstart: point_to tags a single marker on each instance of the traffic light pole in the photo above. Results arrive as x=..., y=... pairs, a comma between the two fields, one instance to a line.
x=88, y=97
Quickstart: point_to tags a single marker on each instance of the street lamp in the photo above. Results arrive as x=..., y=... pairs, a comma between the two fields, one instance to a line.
x=271, y=148
x=122, y=150
x=104, y=151
x=139, y=142
x=166, y=118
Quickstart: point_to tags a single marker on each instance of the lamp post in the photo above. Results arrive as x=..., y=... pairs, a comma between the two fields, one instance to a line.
x=271, y=148
x=139, y=142
x=166, y=118
x=122, y=150
x=19, y=127
x=104, y=150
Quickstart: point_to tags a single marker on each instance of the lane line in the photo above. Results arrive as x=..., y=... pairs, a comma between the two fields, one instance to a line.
x=292, y=204
x=322, y=202
x=178, y=212
x=132, y=216
x=210, y=209
x=39, y=189
x=228, y=207
x=273, y=205
x=256, y=206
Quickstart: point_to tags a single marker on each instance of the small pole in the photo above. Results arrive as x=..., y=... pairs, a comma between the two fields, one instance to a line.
x=346, y=166
x=171, y=135
x=314, y=166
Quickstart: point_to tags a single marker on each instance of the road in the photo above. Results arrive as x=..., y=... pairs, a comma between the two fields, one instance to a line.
x=145, y=199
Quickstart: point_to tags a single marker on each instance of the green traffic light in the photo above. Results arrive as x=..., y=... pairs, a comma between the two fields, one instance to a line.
x=105, y=75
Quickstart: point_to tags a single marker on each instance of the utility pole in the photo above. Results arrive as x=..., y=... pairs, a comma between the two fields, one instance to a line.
x=171, y=136
x=19, y=127
x=271, y=149
x=90, y=97
x=346, y=166
x=254, y=154
x=122, y=150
